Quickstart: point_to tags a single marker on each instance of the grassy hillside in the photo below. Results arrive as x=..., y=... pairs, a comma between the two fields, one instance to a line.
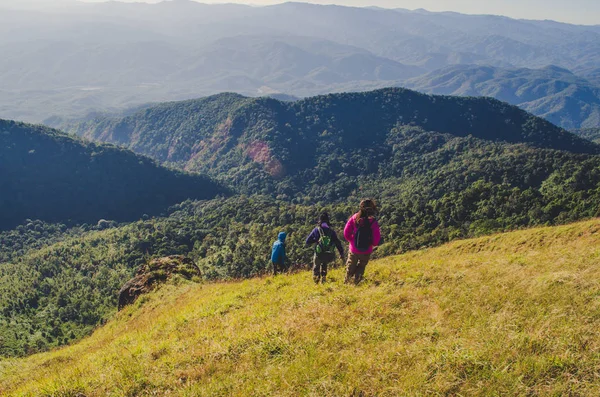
x=509, y=314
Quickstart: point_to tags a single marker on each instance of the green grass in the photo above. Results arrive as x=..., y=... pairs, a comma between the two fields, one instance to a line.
x=509, y=314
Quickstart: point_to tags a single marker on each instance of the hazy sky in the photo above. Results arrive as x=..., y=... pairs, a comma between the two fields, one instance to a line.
x=573, y=11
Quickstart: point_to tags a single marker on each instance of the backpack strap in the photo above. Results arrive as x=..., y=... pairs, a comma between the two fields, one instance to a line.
x=321, y=231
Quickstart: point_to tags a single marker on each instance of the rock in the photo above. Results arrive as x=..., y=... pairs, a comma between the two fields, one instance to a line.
x=156, y=272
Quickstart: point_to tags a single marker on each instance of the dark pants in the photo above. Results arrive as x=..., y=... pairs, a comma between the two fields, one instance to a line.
x=320, y=267
x=355, y=267
x=278, y=268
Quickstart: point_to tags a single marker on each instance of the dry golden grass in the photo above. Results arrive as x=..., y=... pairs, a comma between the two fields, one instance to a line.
x=510, y=314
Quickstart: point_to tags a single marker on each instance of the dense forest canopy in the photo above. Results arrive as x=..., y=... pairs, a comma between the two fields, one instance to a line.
x=264, y=145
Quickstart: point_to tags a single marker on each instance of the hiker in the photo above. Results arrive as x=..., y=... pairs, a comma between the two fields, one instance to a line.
x=326, y=241
x=362, y=232
x=278, y=254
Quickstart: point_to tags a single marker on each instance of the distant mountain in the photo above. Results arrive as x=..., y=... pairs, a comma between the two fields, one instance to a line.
x=284, y=97
x=274, y=60
x=109, y=56
x=593, y=76
x=48, y=175
x=257, y=143
x=553, y=93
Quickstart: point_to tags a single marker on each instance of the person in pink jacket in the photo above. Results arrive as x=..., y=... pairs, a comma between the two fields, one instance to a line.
x=362, y=232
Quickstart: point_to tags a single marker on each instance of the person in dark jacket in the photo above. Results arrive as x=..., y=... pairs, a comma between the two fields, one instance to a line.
x=278, y=254
x=326, y=241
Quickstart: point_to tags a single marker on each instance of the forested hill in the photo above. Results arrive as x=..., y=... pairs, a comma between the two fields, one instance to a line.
x=256, y=143
x=592, y=134
x=47, y=175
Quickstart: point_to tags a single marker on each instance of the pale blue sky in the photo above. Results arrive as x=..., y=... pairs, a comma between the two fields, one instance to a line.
x=573, y=11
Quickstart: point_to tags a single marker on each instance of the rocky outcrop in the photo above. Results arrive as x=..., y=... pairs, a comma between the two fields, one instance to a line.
x=154, y=273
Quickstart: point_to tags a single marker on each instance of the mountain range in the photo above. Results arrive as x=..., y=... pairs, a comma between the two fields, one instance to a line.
x=110, y=56
x=553, y=93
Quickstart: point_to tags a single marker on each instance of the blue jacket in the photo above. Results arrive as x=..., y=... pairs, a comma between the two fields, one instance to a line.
x=278, y=253
x=315, y=235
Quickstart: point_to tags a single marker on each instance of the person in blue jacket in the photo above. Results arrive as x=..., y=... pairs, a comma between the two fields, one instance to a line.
x=278, y=254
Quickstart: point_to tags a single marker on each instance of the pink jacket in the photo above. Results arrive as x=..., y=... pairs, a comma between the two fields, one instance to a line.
x=352, y=227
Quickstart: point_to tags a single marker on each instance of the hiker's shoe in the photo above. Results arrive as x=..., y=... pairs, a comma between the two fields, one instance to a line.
x=316, y=279
x=323, y=280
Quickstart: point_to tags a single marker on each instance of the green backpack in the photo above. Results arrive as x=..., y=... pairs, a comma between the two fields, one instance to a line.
x=325, y=244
